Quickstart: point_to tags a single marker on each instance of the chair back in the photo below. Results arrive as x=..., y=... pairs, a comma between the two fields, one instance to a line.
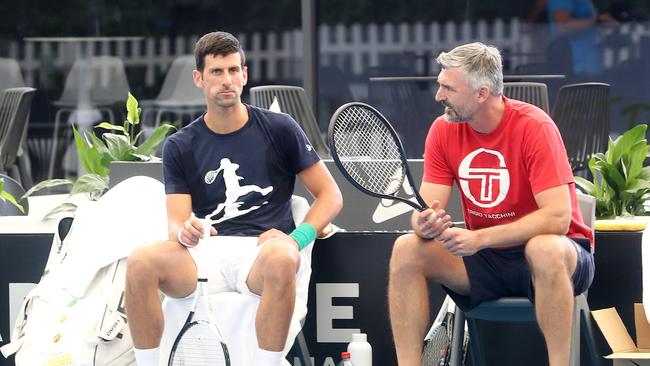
x=533, y=93
x=15, y=104
x=408, y=105
x=14, y=188
x=105, y=78
x=178, y=86
x=587, y=206
x=10, y=75
x=581, y=113
x=293, y=101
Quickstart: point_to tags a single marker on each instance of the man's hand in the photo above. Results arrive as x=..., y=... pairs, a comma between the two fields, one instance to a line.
x=430, y=223
x=191, y=231
x=274, y=233
x=461, y=242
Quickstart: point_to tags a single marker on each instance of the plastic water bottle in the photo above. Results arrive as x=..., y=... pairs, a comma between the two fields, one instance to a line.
x=345, y=359
x=360, y=350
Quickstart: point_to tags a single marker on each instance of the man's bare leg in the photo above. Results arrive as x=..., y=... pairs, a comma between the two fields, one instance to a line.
x=413, y=262
x=166, y=266
x=553, y=260
x=273, y=276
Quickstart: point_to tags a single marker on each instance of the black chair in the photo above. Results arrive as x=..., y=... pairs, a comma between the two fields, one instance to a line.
x=408, y=105
x=15, y=104
x=533, y=93
x=581, y=113
x=520, y=309
x=12, y=77
x=14, y=188
x=293, y=101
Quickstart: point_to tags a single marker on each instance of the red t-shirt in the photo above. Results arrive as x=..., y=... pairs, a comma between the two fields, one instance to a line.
x=500, y=172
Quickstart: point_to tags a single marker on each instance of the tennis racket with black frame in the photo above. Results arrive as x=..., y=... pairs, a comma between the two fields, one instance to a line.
x=369, y=153
x=438, y=341
x=199, y=343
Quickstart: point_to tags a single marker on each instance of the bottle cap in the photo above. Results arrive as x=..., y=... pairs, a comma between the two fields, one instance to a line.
x=359, y=337
x=345, y=354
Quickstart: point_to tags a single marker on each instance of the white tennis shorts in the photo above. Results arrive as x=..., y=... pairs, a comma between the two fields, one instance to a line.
x=227, y=261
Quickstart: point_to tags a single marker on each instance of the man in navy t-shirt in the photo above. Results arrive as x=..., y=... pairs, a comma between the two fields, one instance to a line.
x=234, y=167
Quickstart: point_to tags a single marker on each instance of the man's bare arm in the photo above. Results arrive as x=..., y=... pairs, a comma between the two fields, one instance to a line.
x=552, y=217
x=327, y=196
x=430, y=223
x=179, y=217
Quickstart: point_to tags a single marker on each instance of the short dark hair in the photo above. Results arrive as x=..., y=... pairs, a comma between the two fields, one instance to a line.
x=217, y=44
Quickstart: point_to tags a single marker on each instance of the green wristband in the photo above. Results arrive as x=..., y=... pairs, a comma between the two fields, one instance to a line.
x=304, y=234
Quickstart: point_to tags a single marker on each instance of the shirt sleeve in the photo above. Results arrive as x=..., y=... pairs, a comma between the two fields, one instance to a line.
x=173, y=173
x=299, y=151
x=546, y=158
x=436, y=166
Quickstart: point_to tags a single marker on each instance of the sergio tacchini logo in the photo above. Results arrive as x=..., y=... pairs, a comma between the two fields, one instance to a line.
x=486, y=176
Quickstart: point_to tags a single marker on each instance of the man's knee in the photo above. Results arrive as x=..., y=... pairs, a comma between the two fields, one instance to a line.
x=152, y=261
x=412, y=255
x=280, y=260
x=140, y=263
x=404, y=250
x=548, y=255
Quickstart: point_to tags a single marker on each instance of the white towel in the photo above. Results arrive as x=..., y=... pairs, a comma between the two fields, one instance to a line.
x=131, y=214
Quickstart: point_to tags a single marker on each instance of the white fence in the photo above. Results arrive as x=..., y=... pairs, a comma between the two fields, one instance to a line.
x=353, y=48
x=272, y=55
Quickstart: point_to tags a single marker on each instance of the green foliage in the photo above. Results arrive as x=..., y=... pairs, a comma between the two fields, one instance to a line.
x=96, y=153
x=621, y=183
x=8, y=197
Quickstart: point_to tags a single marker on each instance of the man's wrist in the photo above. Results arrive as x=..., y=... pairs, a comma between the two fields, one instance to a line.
x=180, y=238
x=304, y=234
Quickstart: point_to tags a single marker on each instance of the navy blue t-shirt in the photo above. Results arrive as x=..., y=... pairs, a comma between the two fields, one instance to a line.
x=242, y=181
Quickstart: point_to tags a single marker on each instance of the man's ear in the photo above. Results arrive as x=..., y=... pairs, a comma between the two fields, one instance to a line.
x=245, y=73
x=197, y=78
x=483, y=94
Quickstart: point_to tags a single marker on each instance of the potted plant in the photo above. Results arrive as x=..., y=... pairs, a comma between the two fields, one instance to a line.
x=119, y=143
x=621, y=184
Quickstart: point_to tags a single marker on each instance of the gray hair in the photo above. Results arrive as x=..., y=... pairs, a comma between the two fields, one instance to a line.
x=481, y=65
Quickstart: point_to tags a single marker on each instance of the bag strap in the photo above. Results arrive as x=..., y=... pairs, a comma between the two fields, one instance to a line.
x=113, y=320
x=18, y=335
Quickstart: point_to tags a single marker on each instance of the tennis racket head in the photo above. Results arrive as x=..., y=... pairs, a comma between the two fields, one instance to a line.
x=369, y=153
x=199, y=344
x=436, y=347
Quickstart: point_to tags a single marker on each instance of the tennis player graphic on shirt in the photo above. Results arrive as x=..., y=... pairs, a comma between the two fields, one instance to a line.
x=230, y=206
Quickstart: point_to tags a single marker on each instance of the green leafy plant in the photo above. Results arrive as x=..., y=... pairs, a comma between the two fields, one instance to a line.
x=8, y=197
x=621, y=183
x=96, y=153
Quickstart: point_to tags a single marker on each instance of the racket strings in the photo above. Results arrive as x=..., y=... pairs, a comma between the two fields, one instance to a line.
x=436, y=348
x=199, y=346
x=368, y=151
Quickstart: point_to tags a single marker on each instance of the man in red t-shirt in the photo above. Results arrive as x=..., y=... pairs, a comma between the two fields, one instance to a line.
x=523, y=224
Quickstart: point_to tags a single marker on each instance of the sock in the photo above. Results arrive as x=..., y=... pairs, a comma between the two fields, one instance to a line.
x=266, y=358
x=146, y=357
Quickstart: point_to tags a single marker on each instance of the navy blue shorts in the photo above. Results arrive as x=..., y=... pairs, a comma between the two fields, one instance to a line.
x=500, y=273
